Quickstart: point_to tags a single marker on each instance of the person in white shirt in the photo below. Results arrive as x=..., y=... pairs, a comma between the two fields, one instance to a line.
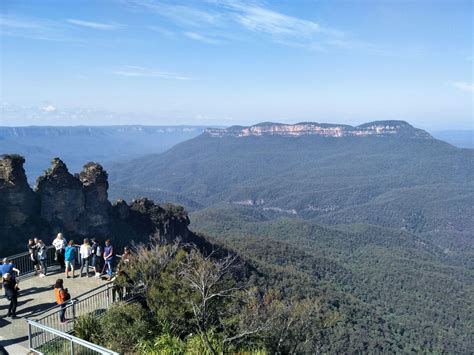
x=85, y=251
x=59, y=244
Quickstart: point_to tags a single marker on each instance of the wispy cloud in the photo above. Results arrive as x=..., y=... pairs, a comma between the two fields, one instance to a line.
x=94, y=25
x=222, y=17
x=137, y=71
x=201, y=38
x=261, y=19
x=464, y=85
x=34, y=28
x=183, y=14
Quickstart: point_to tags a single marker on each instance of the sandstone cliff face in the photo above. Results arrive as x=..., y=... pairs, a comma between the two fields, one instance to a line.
x=77, y=206
x=376, y=129
x=18, y=202
x=97, y=206
x=62, y=199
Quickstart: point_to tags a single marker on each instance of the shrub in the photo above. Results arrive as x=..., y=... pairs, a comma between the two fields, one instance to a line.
x=125, y=325
x=165, y=344
x=87, y=327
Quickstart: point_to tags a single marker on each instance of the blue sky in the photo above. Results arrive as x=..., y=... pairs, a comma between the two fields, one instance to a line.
x=224, y=62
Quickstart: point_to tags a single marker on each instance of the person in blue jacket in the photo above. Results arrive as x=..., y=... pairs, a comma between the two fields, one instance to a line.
x=70, y=257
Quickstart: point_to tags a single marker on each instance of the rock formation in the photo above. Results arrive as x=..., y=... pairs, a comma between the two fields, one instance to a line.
x=77, y=206
x=377, y=129
x=19, y=205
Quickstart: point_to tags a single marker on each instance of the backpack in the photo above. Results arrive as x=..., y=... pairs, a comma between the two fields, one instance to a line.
x=67, y=296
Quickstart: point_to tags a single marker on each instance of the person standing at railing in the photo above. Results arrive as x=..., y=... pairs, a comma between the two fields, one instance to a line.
x=59, y=244
x=62, y=295
x=11, y=292
x=108, y=258
x=85, y=251
x=8, y=268
x=33, y=250
x=70, y=258
x=96, y=256
x=41, y=247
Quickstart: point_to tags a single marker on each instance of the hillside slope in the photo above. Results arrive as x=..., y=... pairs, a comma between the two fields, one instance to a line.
x=399, y=276
x=422, y=182
x=77, y=144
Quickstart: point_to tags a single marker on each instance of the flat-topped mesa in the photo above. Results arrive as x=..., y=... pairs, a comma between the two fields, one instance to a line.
x=377, y=128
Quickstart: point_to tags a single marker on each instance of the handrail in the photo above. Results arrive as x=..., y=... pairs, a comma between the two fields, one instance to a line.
x=75, y=299
x=23, y=262
x=72, y=339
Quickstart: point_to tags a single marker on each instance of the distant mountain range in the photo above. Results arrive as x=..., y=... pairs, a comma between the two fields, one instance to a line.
x=378, y=128
x=80, y=144
x=377, y=219
x=402, y=179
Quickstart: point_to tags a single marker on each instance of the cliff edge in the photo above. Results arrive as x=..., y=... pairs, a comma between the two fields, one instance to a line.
x=78, y=206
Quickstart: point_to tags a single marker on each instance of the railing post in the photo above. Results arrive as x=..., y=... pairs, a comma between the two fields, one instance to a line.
x=73, y=309
x=107, y=300
x=72, y=347
x=30, y=337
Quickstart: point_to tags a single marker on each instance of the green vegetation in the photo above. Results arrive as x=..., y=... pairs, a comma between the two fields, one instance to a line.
x=420, y=185
x=390, y=286
x=190, y=303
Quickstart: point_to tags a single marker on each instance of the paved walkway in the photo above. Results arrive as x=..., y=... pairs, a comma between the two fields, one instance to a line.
x=36, y=296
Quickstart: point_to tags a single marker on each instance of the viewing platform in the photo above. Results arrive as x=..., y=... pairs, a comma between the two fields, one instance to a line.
x=36, y=301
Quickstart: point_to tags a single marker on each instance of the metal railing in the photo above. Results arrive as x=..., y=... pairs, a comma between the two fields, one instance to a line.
x=95, y=302
x=26, y=266
x=24, y=263
x=46, y=340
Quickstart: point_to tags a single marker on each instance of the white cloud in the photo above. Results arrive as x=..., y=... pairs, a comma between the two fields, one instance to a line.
x=93, y=25
x=464, y=86
x=218, y=17
x=201, y=38
x=137, y=71
x=34, y=28
x=48, y=108
x=260, y=19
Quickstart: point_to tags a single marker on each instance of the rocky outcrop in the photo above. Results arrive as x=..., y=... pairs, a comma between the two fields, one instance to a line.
x=62, y=199
x=377, y=129
x=78, y=206
x=19, y=205
x=97, y=206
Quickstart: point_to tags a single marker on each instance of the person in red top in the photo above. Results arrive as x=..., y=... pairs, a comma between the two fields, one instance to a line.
x=62, y=296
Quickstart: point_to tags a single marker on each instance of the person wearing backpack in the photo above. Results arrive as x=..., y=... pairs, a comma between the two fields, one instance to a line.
x=62, y=296
x=41, y=247
x=96, y=256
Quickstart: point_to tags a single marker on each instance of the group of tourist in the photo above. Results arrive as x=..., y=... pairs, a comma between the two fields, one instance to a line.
x=90, y=254
x=37, y=250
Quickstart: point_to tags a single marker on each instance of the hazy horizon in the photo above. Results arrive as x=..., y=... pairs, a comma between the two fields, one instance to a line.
x=228, y=62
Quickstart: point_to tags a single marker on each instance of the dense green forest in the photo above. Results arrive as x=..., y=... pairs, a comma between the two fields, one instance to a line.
x=378, y=229
x=390, y=283
x=420, y=185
